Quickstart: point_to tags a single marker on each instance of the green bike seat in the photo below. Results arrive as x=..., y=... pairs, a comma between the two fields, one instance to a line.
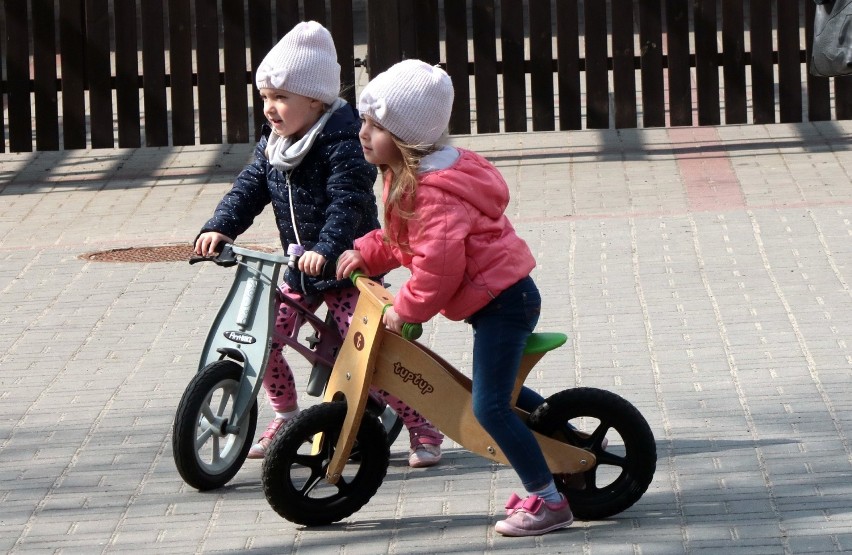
x=543, y=342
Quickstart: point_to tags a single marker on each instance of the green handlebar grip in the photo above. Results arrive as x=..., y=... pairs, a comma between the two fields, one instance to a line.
x=411, y=332
x=355, y=275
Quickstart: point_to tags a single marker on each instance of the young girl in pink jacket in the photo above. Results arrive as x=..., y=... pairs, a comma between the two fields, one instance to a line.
x=445, y=222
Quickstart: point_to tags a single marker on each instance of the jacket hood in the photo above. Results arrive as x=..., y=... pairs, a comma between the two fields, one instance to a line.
x=477, y=184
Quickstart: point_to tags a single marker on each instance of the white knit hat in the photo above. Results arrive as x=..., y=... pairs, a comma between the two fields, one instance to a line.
x=412, y=100
x=303, y=62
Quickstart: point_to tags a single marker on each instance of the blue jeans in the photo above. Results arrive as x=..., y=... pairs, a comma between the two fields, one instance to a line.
x=500, y=331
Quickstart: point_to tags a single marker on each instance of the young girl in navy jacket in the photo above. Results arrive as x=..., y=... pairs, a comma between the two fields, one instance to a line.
x=310, y=167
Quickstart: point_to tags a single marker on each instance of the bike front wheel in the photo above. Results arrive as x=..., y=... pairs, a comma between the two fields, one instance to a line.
x=616, y=433
x=294, y=474
x=206, y=455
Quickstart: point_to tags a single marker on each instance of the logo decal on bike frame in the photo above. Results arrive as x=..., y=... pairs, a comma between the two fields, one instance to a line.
x=239, y=337
x=358, y=340
x=416, y=378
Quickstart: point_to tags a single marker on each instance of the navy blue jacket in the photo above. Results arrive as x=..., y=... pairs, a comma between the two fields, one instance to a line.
x=333, y=197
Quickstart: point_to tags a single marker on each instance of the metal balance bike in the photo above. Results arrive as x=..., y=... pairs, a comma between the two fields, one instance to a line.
x=327, y=463
x=216, y=419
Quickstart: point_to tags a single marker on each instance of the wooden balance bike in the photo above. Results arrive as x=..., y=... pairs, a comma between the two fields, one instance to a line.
x=329, y=461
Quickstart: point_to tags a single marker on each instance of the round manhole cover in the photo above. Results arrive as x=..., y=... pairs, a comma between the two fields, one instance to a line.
x=162, y=253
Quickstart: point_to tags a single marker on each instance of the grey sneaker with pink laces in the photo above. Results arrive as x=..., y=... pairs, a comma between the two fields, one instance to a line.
x=533, y=517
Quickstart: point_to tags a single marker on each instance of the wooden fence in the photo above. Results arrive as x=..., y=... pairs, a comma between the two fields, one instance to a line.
x=106, y=73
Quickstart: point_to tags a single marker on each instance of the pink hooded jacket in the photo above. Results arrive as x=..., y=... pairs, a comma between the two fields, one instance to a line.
x=465, y=251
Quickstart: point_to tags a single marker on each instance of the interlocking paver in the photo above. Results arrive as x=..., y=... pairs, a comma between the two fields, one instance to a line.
x=702, y=273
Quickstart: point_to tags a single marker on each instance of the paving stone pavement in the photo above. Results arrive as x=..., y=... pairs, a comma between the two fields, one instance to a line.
x=702, y=273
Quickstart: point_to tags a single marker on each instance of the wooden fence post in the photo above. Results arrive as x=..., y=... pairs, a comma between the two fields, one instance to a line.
x=383, y=43
x=455, y=19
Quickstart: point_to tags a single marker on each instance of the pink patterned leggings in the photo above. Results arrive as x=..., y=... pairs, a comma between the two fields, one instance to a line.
x=278, y=380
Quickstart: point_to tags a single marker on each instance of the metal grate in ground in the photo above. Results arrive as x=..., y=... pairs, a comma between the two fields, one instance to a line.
x=159, y=253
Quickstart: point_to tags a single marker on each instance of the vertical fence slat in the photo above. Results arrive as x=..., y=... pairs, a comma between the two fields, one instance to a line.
x=44, y=75
x=99, y=73
x=651, y=61
x=407, y=29
x=568, y=66
x=843, y=97
x=623, y=65
x=286, y=16
x=427, y=31
x=384, y=47
x=819, y=102
x=127, y=74
x=260, y=41
x=2, y=95
x=344, y=43
x=236, y=93
x=789, y=65
x=18, y=72
x=154, y=74
x=706, y=62
x=485, y=66
x=677, y=49
x=72, y=44
x=514, y=75
x=762, y=71
x=180, y=64
x=597, y=71
x=455, y=22
x=541, y=66
x=315, y=11
x=207, y=66
x=733, y=56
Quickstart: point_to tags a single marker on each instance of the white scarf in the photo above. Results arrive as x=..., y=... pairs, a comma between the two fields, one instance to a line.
x=285, y=154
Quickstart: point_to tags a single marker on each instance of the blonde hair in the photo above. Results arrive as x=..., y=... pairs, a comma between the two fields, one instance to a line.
x=403, y=190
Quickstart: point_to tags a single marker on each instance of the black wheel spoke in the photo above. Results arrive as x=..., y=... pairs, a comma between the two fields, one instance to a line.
x=611, y=459
x=595, y=440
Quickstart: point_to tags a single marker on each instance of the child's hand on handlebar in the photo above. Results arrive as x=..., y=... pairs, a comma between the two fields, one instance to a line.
x=392, y=321
x=348, y=262
x=207, y=242
x=311, y=263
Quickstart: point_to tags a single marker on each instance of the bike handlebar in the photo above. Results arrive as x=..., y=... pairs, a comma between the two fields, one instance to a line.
x=225, y=257
x=409, y=331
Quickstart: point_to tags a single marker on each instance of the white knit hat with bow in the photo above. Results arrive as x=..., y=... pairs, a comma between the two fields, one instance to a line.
x=303, y=62
x=412, y=100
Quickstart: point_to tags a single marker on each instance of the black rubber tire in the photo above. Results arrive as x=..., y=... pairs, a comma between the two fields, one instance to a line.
x=294, y=479
x=632, y=464
x=211, y=463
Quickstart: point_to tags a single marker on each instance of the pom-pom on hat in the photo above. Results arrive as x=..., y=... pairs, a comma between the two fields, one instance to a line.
x=412, y=100
x=303, y=62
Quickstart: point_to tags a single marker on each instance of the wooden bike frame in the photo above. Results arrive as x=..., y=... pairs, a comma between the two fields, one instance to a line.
x=373, y=355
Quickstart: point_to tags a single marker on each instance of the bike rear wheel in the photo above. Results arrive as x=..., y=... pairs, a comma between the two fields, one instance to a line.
x=294, y=477
x=206, y=456
x=619, y=437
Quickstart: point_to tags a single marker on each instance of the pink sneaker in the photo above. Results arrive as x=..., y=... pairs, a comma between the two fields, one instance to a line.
x=423, y=454
x=533, y=517
x=258, y=450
